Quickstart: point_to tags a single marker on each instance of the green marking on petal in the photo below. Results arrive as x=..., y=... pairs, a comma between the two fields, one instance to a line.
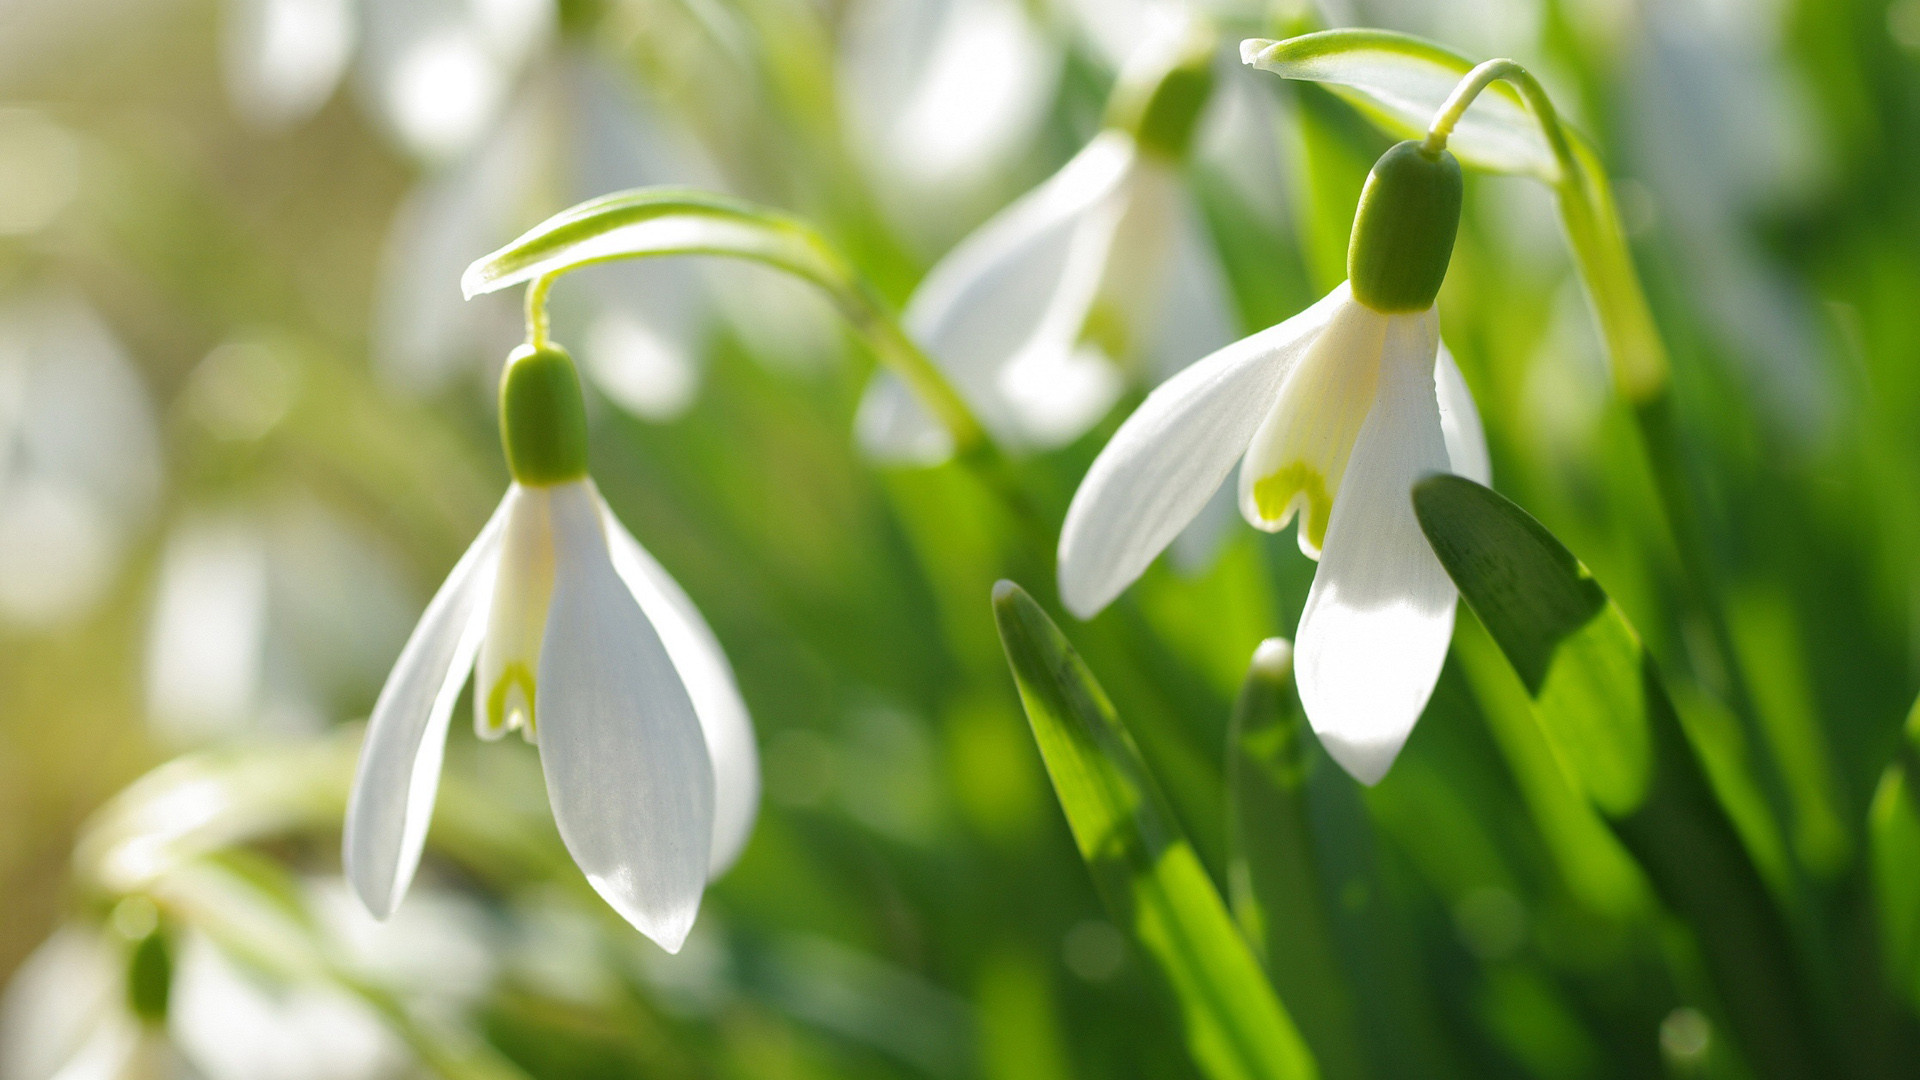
x=514, y=674
x=1274, y=495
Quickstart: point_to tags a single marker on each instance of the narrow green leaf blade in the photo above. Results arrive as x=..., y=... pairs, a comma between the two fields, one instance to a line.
x=659, y=221
x=1146, y=870
x=1572, y=648
x=1602, y=705
x=1894, y=826
x=1401, y=81
x=1274, y=874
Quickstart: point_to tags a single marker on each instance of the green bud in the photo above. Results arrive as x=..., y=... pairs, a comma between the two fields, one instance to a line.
x=1160, y=95
x=543, y=419
x=150, y=976
x=1403, y=234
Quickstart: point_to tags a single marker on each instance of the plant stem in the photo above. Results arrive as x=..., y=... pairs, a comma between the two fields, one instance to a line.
x=1637, y=359
x=538, y=323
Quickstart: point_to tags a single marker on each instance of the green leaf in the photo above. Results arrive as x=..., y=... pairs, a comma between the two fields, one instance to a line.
x=1894, y=825
x=1603, y=707
x=1400, y=81
x=1274, y=876
x=660, y=221
x=1146, y=870
x=1572, y=648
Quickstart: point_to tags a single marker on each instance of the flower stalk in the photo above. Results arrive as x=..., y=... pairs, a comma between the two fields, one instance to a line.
x=1637, y=360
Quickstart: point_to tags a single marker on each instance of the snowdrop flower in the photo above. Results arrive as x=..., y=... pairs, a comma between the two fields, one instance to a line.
x=1333, y=414
x=940, y=97
x=1030, y=315
x=582, y=643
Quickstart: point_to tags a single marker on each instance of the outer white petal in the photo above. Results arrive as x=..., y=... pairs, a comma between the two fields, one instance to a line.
x=697, y=655
x=1460, y=422
x=1380, y=614
x=626, y=763
x=1170, y=456
x=399, y=772
x=1015, y=292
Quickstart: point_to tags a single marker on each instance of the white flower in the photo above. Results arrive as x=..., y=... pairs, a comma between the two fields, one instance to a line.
x=1041, y=315
x=1334, y=414
x=585, y=644
x=1030, y=315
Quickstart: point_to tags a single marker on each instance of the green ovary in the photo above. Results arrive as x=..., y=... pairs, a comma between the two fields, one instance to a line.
x=515, y=674
x=1274, y=493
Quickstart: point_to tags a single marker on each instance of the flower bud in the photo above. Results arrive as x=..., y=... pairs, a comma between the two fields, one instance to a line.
x=543, y=419
x=1162, y=90
x=1403, y=233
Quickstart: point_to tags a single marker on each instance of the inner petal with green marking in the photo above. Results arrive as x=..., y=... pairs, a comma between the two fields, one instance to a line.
x=505, y=675
x=1299, y=454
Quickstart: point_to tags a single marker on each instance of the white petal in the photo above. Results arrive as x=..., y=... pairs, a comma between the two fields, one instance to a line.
x=626, y=763
x=393, y=790
x=941, y=93
x=504, y=679
x=697, y=656
x=1460, y=422
x=1299, y=454
x=1171, y=455
x=1196, y=309
x=1016, y=292
x=1380, y=614
x=208, y=631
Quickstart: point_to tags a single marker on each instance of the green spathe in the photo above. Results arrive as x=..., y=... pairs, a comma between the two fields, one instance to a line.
x=543, y=420
x=1403, y=232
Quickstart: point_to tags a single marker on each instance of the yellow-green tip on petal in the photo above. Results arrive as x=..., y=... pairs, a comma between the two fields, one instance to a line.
x=1403, y=233
x=543, y=419
x=1273, y=494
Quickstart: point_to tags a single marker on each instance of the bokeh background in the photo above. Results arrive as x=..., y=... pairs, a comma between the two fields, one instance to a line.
x=246, y=426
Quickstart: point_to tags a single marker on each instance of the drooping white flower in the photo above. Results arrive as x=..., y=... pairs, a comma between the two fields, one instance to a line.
x=1037, y=314
x=590, y=649
x=1333, y=415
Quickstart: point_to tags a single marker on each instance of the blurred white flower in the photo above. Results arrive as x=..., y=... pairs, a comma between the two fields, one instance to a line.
x=1333, y=414
x=207, y=632
x=39, y=170
x=284, y=57
x=265, y=617
x=234, y=1023
x=439, y=71
x=941, y=96
x=79, y=458
x=1033, y=314
x=1726, y=131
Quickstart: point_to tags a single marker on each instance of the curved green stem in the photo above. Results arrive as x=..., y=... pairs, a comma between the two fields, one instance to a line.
x=1639, y=365
x=538, y=323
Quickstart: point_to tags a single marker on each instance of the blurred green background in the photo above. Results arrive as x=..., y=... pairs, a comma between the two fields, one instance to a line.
x=246, y=426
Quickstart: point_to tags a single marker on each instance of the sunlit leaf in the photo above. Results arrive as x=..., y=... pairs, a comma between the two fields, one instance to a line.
x=1146, y=870
x=1602, y=705
x=1580, y=660
x=659, y=221
x=1401, y=81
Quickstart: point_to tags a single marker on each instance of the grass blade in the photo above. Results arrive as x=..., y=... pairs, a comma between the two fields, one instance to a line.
x=1602, y=705
x=1144, y=867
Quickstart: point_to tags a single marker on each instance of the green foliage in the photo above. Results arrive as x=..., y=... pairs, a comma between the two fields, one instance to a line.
x=1147, y=872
